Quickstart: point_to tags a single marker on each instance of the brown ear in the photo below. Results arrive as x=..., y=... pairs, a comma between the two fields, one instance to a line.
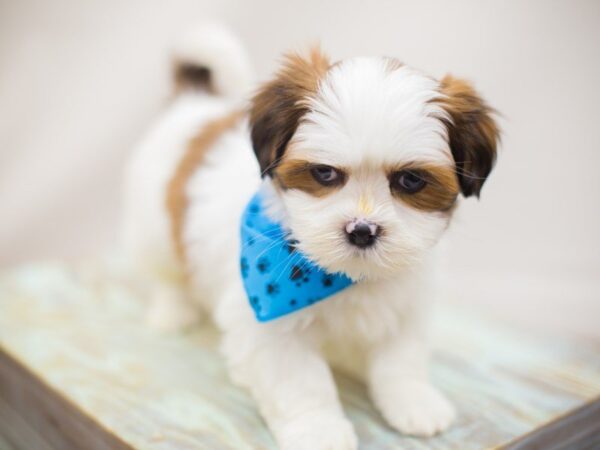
x=280, y=103
x=472, y=133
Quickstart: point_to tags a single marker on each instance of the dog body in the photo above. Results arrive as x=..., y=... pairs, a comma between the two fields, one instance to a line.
x=358, y=162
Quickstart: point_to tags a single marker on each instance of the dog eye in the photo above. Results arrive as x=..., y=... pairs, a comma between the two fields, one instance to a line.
x=326, y=175
x=408, y=182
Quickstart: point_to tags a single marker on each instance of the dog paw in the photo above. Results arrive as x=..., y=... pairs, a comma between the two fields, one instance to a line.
x=317, y=432
x=415, y=408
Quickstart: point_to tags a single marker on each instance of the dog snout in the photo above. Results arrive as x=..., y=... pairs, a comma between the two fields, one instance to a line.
x=362, y=233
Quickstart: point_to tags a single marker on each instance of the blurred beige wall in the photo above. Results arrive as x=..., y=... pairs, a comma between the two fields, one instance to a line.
x=81, y=81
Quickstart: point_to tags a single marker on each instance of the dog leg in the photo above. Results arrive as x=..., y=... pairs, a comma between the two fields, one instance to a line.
x=294, y=389
x=170, y=307
x=399, y=387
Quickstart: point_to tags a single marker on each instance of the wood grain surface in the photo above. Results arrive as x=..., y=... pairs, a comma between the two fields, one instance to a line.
x=79, y=369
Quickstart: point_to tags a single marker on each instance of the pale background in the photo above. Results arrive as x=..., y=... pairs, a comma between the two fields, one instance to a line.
x=81, y=81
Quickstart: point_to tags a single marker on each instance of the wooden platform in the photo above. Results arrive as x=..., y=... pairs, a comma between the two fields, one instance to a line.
x=78, y=369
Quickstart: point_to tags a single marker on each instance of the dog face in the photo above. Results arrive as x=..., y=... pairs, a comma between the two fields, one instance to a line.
x=368, y=157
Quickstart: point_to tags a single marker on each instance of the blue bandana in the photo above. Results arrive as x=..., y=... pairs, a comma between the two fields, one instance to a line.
x=278, y=279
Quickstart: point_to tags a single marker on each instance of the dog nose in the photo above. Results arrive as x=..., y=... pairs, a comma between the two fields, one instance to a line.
x=362, y=233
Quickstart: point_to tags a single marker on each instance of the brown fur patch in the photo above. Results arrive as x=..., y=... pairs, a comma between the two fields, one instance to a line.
x=472, y=133
x=199, y=145
x=440, y=192
x=296, y=174
x=192, y=76
x=279, y=105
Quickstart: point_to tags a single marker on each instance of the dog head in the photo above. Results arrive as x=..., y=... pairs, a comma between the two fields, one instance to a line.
x=368, y=157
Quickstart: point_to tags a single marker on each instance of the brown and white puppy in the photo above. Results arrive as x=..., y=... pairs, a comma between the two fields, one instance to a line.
x=362, y=162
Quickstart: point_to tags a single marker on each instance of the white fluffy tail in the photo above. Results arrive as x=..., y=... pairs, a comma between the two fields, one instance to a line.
x=211, y=57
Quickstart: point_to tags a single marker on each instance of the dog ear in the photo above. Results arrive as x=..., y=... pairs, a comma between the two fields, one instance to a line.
x=472, y=133
x=279, y=105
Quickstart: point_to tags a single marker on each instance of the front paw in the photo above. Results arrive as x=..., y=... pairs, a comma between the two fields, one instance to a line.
x=317, y=431
x=414, y=407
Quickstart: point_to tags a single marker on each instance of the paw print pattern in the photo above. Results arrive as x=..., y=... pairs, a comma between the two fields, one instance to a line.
x=255, y=302
x=244, y=267
x=297, y=273
x=263, y=265
x=291, y=245
x=327, y=280
x=272, y=288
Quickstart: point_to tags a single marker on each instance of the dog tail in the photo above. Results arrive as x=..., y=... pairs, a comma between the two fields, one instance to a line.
x=210, y=57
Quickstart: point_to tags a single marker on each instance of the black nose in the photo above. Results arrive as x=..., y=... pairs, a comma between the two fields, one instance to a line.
x=362, y=234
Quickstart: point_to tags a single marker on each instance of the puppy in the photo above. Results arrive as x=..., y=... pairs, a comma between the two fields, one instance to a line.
x=360, y=162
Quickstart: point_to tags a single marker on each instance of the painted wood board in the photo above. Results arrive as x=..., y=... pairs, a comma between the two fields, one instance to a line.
x=83, y=336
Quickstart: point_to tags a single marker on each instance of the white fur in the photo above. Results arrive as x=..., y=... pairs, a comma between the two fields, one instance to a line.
x=363, y=117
